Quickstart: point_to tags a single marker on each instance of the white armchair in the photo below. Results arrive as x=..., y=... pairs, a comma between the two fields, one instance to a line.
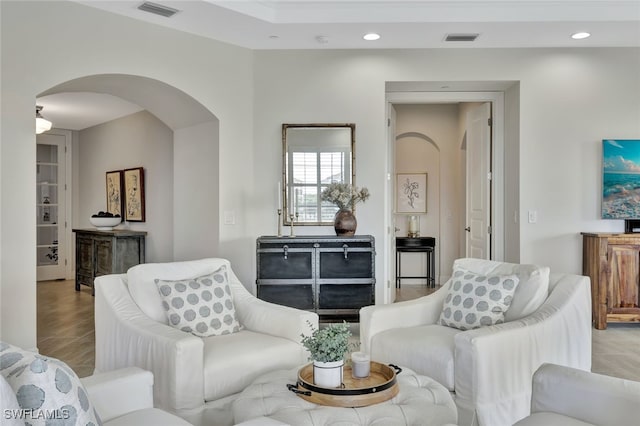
x=192, y=372
x=564, y=396
x=488, y=369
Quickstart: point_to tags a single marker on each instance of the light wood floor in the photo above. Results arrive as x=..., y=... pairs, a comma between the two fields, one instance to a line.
x=66, y=331
x=66, y=324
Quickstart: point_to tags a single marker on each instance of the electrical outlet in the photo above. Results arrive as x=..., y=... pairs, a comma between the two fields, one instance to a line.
x=533, y=216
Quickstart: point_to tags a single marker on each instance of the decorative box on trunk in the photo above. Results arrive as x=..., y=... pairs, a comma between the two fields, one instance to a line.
x=325, y=274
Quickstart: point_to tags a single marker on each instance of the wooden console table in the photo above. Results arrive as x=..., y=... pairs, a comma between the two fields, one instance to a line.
x=612, y=261
x=416, y=245
x=106, y=252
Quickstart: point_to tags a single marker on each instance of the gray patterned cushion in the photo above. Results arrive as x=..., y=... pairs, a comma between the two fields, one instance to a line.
x=477, y=300
x=47, y=390
x=202, y=306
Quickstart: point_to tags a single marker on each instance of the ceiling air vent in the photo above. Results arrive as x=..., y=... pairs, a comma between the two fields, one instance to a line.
x=158, y=9
x=461, y=37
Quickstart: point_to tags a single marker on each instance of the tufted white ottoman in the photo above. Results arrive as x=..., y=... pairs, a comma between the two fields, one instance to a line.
x=420, y=401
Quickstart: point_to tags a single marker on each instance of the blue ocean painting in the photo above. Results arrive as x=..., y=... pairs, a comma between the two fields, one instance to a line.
x=621, y=179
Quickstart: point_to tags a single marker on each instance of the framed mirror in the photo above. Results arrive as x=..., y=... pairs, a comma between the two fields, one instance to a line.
x=313, y=156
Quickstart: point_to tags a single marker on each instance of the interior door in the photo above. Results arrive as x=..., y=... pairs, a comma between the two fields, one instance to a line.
x=51, y=207
x=478, y=241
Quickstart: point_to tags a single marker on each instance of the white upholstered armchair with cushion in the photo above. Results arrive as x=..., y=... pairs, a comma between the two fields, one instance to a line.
x=564, y=396
x=489, y=368
x=191, y=372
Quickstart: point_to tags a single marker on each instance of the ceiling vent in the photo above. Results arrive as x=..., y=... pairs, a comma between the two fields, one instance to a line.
x=158, y=9
x=461, y=37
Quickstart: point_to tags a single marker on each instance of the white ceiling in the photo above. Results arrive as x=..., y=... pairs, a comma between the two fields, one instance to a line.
x=79, y=110
x=286, y=24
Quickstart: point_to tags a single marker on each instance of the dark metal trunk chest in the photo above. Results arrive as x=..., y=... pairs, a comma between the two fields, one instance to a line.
x=325, y=274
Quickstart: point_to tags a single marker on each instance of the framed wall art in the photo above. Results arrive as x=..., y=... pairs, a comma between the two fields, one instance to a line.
x=411, y=193
x=134, y=194
x=115, y=201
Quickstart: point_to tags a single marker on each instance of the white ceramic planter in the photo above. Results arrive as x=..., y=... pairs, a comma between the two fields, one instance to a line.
x=328, y=374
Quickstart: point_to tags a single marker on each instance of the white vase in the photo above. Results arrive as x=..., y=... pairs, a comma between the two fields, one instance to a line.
x=328, y=374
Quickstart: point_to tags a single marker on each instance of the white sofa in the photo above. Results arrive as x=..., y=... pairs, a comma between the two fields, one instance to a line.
x=564, y=396
x=120, y=398
x=488, y=369
x=125, y=397
x=192, y=372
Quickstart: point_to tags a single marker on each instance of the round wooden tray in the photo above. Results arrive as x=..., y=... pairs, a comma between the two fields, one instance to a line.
x=380, y=386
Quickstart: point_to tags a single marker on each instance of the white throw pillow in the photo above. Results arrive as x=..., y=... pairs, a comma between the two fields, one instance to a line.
x=47, y=390
x=202, y=306
x=141, y=281
x=475, y=300
x=532, y=290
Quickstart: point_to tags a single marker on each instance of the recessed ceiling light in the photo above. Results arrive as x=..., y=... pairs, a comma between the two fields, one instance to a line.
x=580, y=36
x=371, y=36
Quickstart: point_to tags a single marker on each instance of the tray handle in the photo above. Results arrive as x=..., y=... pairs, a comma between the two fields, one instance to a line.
x=294, y=389
x=395, y=367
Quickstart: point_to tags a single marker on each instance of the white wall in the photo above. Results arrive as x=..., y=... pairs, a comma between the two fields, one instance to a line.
x=137, y=140
x=569, y=100
x=84, y=41
x=512, y=169
x=196, y=193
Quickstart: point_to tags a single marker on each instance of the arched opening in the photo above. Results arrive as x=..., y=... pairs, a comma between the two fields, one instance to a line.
x=418, y=155
x=174, y=138
x=195, y=159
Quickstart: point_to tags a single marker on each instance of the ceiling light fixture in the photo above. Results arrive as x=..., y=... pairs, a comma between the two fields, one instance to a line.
x=42, y=124
x=580, y=36
x=371, y=36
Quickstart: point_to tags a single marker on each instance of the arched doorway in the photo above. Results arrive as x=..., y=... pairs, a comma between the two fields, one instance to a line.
x=181, y=222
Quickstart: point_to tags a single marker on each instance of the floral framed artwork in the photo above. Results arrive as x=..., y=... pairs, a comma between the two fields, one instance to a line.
x=411, y=193
x=115, y=201
x=134, y=194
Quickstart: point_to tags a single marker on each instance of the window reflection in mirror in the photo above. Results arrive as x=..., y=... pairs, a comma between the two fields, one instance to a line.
x=314, y=155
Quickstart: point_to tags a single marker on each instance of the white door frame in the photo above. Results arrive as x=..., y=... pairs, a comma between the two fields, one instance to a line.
x=497, y=182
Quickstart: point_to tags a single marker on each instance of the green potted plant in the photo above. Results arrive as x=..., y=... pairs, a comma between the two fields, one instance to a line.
x=327, y=347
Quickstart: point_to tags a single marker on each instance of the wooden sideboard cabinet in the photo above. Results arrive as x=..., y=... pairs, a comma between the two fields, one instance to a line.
x=332, y=276
x=106, y=252
x=612, y=261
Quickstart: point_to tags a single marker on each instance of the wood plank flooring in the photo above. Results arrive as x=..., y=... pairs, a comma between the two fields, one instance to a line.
x=66, y=324
x=66, y=331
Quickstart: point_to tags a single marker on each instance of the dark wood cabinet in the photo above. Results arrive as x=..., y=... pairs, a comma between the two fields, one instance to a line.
x=106, y=252
x=328, y=275
x=612, y=261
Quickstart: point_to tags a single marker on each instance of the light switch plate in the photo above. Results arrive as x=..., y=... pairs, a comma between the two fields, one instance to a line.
x=229, y=217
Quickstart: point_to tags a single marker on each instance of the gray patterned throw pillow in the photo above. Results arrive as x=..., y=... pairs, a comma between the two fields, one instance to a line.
x=477, y=300
x=202, y=306
x=47, y=390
